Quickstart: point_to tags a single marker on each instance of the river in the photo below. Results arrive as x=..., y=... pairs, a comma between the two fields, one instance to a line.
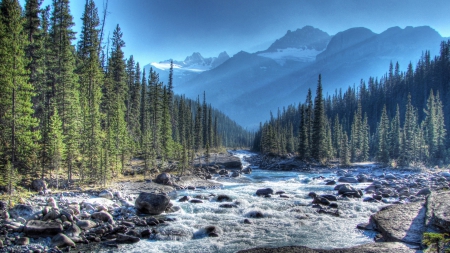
x=286, y=221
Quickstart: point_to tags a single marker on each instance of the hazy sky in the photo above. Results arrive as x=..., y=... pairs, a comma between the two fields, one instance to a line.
x=156, y=30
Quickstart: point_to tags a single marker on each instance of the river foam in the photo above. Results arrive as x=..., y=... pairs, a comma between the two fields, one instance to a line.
x=284, y=221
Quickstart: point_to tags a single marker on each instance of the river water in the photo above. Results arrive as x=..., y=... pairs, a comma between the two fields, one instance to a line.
x=290, y=221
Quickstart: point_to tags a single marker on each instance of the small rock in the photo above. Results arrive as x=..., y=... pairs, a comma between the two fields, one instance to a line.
x=103, y=216
x=228, y=205
x=196, y=201
x=247, y=221
x=332, y=182
x=106, y=194
x=122, y=238
x=184, y=199
x=22, y=241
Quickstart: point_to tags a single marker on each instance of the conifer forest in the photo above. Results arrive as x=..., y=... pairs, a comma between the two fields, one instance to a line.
x=86, y=110
x=400, y=119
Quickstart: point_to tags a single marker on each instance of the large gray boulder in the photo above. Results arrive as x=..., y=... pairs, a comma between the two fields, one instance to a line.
x=37, y=228
x=227, y=161
x=152, y=203
x=163, y=178
x=401, y=223
x=38, y=185
x=438, y=210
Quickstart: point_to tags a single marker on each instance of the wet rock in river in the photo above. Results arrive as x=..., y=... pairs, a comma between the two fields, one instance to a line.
x=223, y=197
x=264, y=192
x=196, y=201
x=124, y=238
x=152, y=203
x=184, y=199
x=351, y=180
x=329, y=197
x=331, y=182
x=255, y=214
x=321, y=201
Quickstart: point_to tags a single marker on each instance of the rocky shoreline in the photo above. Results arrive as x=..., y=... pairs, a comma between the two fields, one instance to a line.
x=416, y=202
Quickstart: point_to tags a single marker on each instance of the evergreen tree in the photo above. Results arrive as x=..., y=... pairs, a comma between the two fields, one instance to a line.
x=17, y=135
x=166, y=128
x=56, y=147
x=63, y=81
x=319, y=149
x=383, y=138
x=91, y=80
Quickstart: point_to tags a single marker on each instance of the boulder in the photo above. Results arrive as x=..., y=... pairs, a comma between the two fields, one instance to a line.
x=86, y=224
x=345, y=188
x=351, y=180
x=247, y=170
x=331, y=182
x=38, y=185
x=73, y=231
x=235, y=174
x=312, y=194
x=184, y=199
x=438, y=206
x=196, y=201
x=223, y=198
x=322, y=201
x=52, y=215
x=163, y=178
x=62, y=240
x=152, y=203
x=106, y=194
x=264, y=192
x=37, y=228
x=227, y=161
x=103, y=216
x=401, y=223
x=329, y=197
x=122, y=238
x=208, y=231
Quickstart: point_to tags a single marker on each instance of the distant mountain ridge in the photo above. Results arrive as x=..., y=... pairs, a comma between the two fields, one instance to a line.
x=248, y=85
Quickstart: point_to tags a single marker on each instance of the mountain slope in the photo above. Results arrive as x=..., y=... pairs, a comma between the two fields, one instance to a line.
x=248, y=84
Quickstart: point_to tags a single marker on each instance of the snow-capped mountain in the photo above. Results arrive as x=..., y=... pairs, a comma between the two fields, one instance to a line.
x=249, y=85
x=302, y=45
x=190, y=67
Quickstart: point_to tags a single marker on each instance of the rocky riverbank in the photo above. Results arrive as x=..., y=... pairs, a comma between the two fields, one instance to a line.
x=128, y=212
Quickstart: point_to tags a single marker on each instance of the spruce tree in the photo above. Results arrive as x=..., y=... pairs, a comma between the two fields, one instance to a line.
x=91, y=80
x=383, y=138
x=17, y=135
x=63, y=81
x=319, y=149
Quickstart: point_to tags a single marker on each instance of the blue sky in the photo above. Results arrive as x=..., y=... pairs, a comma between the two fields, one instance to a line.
x=156, y=30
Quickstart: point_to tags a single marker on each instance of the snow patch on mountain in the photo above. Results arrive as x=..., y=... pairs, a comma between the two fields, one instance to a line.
x=194, y=63
x=294, y=54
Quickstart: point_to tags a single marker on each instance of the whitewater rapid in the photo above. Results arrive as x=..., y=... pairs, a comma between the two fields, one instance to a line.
x=286, y=221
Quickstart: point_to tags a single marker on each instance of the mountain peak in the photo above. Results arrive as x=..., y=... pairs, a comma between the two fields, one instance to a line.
x=307, y=37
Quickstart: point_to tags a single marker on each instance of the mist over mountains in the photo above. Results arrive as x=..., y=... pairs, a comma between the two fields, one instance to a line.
x=247, y=86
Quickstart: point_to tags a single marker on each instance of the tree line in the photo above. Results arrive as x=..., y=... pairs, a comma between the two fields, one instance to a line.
x=83, y=109
x=398, y=119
